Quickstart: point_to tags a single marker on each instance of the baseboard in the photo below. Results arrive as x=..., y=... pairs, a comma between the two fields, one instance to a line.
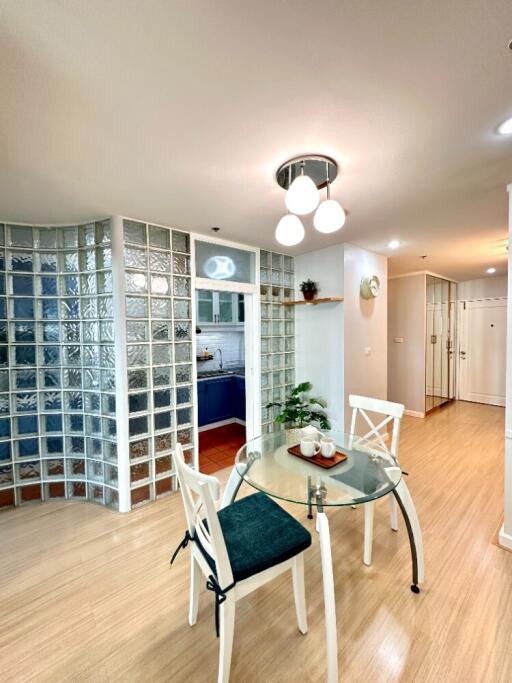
x=221, y=423
x=413, y=413
x=505, y=540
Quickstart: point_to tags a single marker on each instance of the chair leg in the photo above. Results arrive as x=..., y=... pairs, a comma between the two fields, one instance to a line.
x=368, y=533
x=299, y=593
x=227, y=630
x=331, y=638
x=195, y=579
x=393, y=513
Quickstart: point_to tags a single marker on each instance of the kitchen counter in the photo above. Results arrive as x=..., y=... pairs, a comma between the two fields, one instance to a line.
x=229, y=372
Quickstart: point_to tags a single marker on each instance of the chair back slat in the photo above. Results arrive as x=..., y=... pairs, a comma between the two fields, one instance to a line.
x=199, y=491
x=377, y=434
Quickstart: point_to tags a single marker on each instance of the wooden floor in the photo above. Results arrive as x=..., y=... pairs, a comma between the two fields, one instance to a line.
x=88, y=595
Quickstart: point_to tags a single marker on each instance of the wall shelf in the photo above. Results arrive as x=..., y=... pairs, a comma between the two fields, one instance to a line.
x=315, y=302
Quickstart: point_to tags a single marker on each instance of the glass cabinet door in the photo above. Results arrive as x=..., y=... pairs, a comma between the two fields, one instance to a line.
x=205, y=310
x=241, y=307
x=219, y=308
x=225, y=313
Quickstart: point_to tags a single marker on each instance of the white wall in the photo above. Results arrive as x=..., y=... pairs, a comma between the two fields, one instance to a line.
x=366, y=323
x=319, y=329
x=406, y=360
x=342, y=347
x=483, y=288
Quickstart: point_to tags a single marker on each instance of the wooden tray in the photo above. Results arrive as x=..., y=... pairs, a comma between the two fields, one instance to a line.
x=319, y=459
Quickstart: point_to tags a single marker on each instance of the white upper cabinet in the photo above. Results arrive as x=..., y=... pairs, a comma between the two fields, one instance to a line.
x=219, y=308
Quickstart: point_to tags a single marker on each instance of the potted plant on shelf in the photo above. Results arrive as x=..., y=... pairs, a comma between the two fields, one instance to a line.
x=299, y=410
x=309, y=289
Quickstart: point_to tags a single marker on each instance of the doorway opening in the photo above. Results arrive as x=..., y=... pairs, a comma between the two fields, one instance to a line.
x=220, y=362
x=483, y=351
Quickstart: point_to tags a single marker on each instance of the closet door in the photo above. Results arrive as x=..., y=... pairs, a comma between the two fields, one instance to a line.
x=430, y=340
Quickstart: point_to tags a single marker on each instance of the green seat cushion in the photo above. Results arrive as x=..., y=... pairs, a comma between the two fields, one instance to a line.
x=259, y=534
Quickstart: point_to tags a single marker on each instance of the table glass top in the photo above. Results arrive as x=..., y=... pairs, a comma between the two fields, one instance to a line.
x=368, y=473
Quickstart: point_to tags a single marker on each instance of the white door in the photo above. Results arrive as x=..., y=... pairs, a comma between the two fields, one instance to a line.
x=482, y=351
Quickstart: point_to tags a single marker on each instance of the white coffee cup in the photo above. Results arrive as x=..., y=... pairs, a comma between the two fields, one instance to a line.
x=309, y=447
x=327, y=447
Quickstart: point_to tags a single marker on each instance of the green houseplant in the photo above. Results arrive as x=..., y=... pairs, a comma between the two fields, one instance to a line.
x=308, y=289
x=300, y=410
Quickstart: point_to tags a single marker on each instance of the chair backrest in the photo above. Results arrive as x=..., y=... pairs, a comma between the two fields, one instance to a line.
x=199, y=491
x=377, y=433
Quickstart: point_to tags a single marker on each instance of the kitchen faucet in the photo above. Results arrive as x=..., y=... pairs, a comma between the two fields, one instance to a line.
x=220, y=353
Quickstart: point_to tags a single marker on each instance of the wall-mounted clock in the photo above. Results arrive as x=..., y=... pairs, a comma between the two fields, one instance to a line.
x=370, y=287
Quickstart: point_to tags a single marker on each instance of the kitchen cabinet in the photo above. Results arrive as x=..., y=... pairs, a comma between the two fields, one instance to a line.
x=239, y=397
x=220, y=398
x=219, y=308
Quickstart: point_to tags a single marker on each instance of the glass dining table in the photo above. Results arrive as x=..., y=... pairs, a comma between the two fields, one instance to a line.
x=369, y=472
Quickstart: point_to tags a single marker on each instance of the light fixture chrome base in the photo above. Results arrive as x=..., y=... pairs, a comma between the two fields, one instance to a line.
x=318, y=167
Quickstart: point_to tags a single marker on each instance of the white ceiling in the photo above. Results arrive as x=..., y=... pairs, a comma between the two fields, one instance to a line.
x=179, y=112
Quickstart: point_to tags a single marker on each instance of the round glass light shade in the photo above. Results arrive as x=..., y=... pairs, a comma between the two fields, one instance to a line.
x=290, y=230
x=329, y=216
x=302, y=196
x=505, y=128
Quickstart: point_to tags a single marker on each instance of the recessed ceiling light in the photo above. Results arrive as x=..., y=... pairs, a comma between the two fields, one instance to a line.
x=505, y=128
x=491, y=270
x=394, y=244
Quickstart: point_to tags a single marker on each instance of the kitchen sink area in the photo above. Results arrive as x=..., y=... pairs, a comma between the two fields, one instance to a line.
x=205, y=374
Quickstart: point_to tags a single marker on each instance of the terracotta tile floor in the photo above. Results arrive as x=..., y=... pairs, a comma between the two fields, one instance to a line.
x=218, y=447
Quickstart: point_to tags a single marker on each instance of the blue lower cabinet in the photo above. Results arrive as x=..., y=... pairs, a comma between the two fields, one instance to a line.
x=239, y=397
x=202, y=403
x=220, y=398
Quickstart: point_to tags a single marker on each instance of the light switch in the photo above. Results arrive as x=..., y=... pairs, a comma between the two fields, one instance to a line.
x=398, y=340
x=368, y=351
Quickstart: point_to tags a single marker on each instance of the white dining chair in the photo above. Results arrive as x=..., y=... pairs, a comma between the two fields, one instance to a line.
x=238, y=549
x=378, y=435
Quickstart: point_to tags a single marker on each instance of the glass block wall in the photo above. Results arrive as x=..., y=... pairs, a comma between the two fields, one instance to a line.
x=57, y=379
x=159, y=333
x=277, y=332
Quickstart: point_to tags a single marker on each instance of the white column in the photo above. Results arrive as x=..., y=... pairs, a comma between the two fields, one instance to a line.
x=123, y=459
x=505, y=537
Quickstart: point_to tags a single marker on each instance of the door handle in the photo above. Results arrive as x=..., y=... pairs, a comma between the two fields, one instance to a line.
x=463, y=355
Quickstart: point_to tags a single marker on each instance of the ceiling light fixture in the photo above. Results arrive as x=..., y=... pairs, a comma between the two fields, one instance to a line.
x=303, y=177
x=505, y=128
x=394, y=244
x=491, y=270
x=290, y=230
x=330, y=215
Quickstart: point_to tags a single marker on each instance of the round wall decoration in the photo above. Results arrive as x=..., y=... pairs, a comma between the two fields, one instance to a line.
x=370, y=287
